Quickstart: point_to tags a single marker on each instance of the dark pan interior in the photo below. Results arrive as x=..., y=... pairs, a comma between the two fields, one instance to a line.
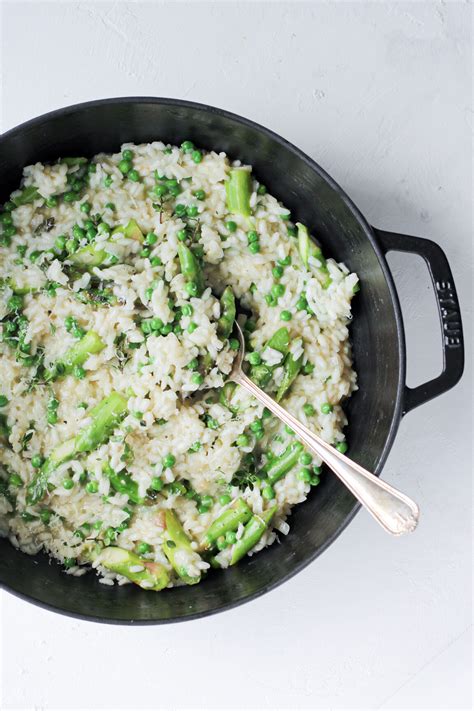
x=377, y=339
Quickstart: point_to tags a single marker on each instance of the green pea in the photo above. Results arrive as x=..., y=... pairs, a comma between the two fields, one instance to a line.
x=92, y=487
x=145, y=252
x=187, y=146
x=36, y=461
x=169, y=461
x=250, y=325
x=85, y=207
x=160, y=190
x=180, y=210
x=187, y=310
x=285, y=262
x=242, y=440
x=51, y=202
x=261, y=190
x=68, y=484
x=192, y=211
x=167, y=328
x=278, y=290
x=92, y=168
x=143, y=548
x=268, y=492
x=197, y=378
x=69, y=562
x=97, y=525
x=256, y=426
x=108, y=180
x=254, y=248
x=156, y=262
x=127, y=154
x=221, y=543
x=133, y=175
x=305, y=458
x=314, y=481
x=192, y=327
x=34, y=256
x=196, y=156
x=193, y=364
x=231, y=226
x=156, y=324
x=199, y=194
x=182, y=235
x=156, y=484
x=234, y=344
x=326, y=408
x=224, y=499
x=301, y=304
x=202, y=509
x=15, y=480
x=125, y=166
x=308, y=368
x=254, y=358
x=91, y=234
x=270, y=299
x=285, y=315
x=304, y=474
x=78, y=232
x=3, y=400
x=308, y=409
x=78, y=372
x=207, y=500
x=342, y=447
x=252, y=236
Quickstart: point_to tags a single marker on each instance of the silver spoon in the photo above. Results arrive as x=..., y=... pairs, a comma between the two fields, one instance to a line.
x=394, y=511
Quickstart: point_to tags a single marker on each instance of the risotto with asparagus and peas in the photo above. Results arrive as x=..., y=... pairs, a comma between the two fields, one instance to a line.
x=123, y=448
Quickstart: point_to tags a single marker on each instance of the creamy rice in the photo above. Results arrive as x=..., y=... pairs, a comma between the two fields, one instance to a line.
x=170, y=375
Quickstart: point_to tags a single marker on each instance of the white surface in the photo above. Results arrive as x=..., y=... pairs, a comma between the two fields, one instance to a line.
x=379, y=94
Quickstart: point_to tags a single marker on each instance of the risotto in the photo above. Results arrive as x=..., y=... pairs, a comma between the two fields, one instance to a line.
x=122, y=447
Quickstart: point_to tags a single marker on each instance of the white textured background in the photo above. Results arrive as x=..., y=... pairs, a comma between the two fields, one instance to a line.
x=380, y=94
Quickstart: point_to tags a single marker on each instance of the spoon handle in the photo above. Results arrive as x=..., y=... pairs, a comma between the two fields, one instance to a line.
x=394, y=511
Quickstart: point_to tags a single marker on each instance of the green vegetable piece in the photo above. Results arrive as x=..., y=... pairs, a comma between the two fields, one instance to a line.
x=27, y=195
x=238, y=191
x=190, y=268
x=123, y=484
x=105, y=417
x=89, y=344
x=304, y=243
x=88, y=257
x=253, y=532
x=281, y=465
x=225, y=397
x=145, y=574
x=228, y=312
x=280, y=340
x=261, y=374
x=291, y=367
x=130, y=230
x=176, y=545
x=229, y=520
x=71, y=162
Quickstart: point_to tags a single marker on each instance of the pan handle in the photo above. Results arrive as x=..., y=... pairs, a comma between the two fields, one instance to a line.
x=448, y=309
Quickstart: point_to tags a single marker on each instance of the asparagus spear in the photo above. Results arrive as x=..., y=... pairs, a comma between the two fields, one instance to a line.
x=90, y=256
x=229, y=520
x=104, y=419
x=89, y=344
x=253, y=532
x=148, y=575
x=227, y=317
x=291, y=367
x=123, y=484
x=225, y=396
x=71, y=162
x=177, y=547
x=280, y=466
x=308, y=249
x=27, y=195
x=191, y=269
x=238, y=190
